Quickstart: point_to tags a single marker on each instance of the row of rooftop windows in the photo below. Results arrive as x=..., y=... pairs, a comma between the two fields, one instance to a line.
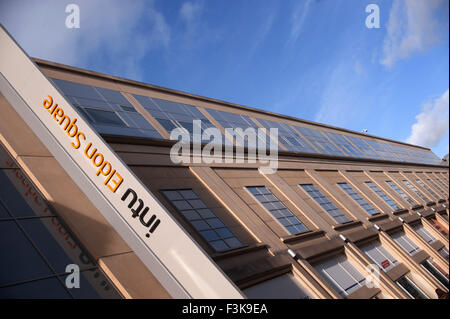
x=221, y=239
x=111, y=113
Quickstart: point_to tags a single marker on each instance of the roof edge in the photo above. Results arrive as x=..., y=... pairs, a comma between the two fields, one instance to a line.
x=55, y=65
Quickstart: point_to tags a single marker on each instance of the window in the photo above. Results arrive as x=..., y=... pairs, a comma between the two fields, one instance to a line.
x=401, y=193
x=277, y=209
x=104, y=117
x=379, y=255
x=422, y=184
x=429, y=266
x=406, y=243
x=203, y=219
x=319, y=141
x=173, y=115
x=382, y=195
x=341, y=274
x=434, y=185
x=127, y=108
x=36, y=246
x=357, y=198
x=288, y=137
x=440, y=182
x=364, y=147
x=345, y=145
x=425, y=234
x=411, y=288
x=439, y=227
x=107, y=110
x=443, y=252
x=329, y=207
x=378, y=147
x=415, y=190
x=282, y=287
x=235, y=121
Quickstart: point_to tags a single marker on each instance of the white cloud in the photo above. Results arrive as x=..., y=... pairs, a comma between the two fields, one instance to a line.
x=110, y=34
x=358, y=68
x=298, y=19
x=190, y=11
x=432, y=124
x=413, y=26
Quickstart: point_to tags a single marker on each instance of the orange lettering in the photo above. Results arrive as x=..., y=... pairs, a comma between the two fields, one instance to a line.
x=116, y=183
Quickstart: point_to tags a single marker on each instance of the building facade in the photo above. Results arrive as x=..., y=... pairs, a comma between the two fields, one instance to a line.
x=344, y=215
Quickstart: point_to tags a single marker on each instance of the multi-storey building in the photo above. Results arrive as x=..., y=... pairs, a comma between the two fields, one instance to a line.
x=344, y=215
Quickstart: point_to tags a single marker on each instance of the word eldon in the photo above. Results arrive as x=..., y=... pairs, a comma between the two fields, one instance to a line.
x=104, y=167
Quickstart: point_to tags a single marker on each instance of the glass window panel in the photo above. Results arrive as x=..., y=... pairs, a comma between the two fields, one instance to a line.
x=3, y=212
x=357, y=198
x=77, y=89
x=329, y=207
x=401, y=193
x=205, y=213
x=197, y=203
x=200, y=225
x=422, y=184
x=379, y=255
x=428, y=265
x=105, y=117
x=406, y=243
x=173, y=115
x=173, y=195
x=440, y=182
x=425, y=234
x=319, y=141
x=220, y=245
x=182, y=205
x=411, y=288
x=215, y=222
x=203, y=219
x=19, y=260
x=292, y=224
x=345, y=145
x=341, y=274
x=364, y=147
x=283, y=287
x=377, y=146
x=6, y=161
x=382, y=195
x=434, y=185
x=191, y=215
x=210, y=235
x=43, y=232
x=236, y=121
x=19, y=196
x=443, y=252
x=224, y=232
x=415, y=190
x=288, y=137
x=50, y=288
x=114, y=97
x=128, y=108
x=107, y=110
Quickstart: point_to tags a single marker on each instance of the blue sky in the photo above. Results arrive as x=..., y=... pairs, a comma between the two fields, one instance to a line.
x=312, y=59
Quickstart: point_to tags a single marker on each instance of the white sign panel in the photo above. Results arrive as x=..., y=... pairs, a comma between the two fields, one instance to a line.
x=181, y=266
